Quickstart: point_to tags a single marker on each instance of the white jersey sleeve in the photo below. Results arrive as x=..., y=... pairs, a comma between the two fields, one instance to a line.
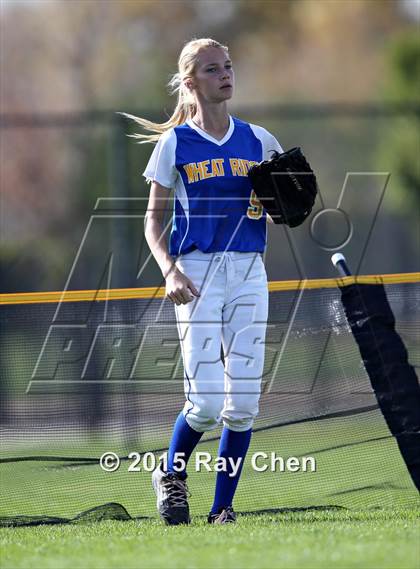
x=161, y=166
x=268, y=141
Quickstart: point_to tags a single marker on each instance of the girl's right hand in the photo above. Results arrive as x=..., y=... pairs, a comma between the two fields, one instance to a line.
x=179, y=287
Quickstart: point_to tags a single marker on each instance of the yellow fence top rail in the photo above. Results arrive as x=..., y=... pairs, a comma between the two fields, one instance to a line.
x=159, y=292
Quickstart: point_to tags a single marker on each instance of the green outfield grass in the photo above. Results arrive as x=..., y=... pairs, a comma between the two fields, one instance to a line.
x=358, y=465
x=359, y=470
x=342, y=539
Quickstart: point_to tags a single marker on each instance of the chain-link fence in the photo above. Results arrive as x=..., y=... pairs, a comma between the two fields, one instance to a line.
x=74, y=198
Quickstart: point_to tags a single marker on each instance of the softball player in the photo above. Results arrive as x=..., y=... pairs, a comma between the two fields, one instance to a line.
x=214, y=270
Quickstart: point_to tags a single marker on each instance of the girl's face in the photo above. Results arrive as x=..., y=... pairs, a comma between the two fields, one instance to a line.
x=213, y=80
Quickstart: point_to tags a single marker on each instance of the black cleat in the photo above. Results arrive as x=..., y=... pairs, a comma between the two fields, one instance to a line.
x=172, y=496
x=224, y=516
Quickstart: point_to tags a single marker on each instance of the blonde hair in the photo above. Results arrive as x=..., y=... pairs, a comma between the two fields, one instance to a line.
x=185, y=106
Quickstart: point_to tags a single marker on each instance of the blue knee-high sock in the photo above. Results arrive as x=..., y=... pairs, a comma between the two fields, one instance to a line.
x=234, y=445
x=184, y=439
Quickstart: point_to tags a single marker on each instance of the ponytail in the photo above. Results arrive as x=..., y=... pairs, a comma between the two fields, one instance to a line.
x=186, y=106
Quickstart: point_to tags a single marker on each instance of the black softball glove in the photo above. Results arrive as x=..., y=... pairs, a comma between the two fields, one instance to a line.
x=286, y=186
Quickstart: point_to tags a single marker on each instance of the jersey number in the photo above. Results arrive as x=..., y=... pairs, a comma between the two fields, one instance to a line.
x=255, y=209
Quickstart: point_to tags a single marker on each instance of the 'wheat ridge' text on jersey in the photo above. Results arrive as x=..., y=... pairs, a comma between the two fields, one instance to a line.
x=215, y=207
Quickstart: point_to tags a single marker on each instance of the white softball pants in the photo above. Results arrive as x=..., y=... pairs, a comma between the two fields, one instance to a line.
x=231, y=312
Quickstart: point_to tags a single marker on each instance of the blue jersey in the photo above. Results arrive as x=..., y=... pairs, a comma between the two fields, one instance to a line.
x=215, y=207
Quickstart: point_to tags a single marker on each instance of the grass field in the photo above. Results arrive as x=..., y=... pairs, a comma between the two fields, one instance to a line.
x=358, y=465
x=342, y=539
x=375, y=523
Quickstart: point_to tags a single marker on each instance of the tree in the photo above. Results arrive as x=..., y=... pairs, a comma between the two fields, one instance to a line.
x=400, y=149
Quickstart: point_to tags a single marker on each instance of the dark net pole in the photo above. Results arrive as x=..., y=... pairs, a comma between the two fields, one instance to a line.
x=384, y=355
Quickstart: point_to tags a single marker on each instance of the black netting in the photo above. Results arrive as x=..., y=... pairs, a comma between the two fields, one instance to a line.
x=82, y=378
